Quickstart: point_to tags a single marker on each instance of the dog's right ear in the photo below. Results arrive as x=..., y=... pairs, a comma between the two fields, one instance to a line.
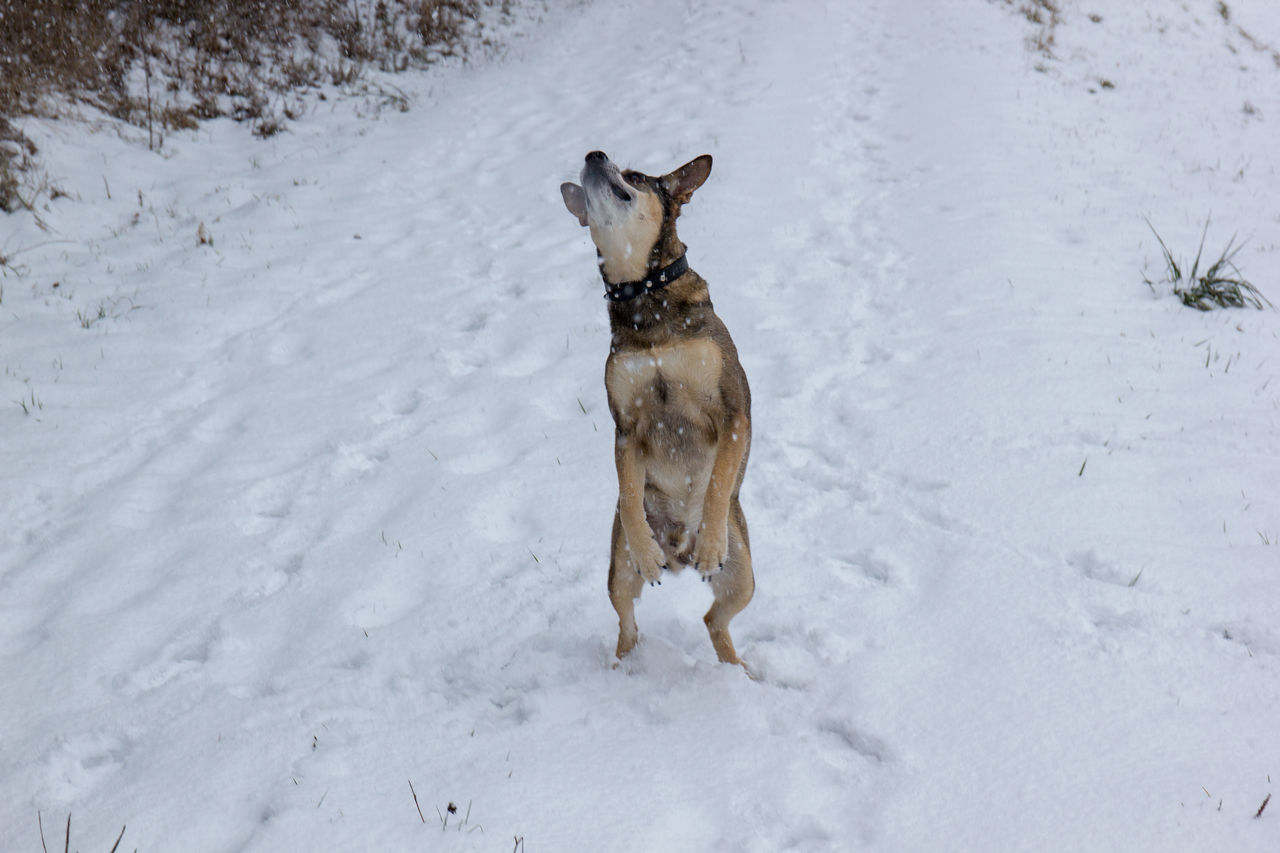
x=683, y=181
x=576, y=200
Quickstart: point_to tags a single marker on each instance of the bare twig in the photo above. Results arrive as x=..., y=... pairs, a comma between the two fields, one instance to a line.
x=1262, y=807
x=118, y=837
x=40, y=823
x=415, y=802
x=146, y=64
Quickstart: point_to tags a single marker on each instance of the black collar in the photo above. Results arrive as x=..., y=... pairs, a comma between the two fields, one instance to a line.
x=656, y=280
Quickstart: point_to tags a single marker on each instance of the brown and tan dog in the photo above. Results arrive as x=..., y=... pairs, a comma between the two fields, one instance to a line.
x=678, y=396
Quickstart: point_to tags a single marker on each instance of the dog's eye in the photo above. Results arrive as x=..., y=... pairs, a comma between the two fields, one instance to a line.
x=618, y=191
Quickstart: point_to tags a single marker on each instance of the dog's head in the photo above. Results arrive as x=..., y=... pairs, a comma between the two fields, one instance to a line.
x=632, y=215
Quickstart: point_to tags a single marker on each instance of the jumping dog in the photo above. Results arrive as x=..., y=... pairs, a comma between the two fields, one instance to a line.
x=678, y=396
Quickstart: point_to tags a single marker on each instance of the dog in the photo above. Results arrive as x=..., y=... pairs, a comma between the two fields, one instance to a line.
x=678, y=396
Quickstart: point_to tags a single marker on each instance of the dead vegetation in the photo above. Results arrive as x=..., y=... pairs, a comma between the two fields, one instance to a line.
x=1045, y=15
x=163, y=65
x=1260, y=46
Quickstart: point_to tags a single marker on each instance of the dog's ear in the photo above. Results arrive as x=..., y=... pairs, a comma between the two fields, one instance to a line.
x=576, y=200
x=683, y=181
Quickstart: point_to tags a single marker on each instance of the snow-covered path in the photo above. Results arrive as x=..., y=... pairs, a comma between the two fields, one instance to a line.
x=319, y=508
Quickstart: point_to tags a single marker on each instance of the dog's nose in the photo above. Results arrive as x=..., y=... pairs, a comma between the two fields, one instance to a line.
x=596, y=157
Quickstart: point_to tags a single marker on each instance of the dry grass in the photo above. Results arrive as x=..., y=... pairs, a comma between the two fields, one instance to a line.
x=168, y=64
x=17, y=154
x=1046, y=15
x=1262, y=47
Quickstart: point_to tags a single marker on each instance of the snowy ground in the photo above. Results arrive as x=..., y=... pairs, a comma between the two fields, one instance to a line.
x=321, y=507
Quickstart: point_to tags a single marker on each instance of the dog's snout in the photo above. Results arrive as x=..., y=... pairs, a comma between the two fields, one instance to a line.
x=597, y=157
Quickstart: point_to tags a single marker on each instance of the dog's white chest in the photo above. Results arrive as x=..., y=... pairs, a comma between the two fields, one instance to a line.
x=667, y=400
x=684, y=376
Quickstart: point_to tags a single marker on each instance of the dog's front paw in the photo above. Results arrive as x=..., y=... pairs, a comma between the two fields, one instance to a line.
x=649, y=560
x=711, y=550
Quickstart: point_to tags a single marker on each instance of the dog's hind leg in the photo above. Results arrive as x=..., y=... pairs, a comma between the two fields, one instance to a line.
x=625, y=585
x=733, y=586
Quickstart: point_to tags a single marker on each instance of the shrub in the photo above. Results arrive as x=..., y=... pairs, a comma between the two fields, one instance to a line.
x=167, y=64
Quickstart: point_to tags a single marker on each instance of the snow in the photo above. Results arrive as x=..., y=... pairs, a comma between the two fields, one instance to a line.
x=320, y=508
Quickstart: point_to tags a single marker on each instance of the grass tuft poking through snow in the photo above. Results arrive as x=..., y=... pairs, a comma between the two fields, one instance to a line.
x=66, y=844
x=1220, y=286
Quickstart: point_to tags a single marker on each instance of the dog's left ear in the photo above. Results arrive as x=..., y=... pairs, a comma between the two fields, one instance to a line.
x=576, y=200
x=683, y=181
